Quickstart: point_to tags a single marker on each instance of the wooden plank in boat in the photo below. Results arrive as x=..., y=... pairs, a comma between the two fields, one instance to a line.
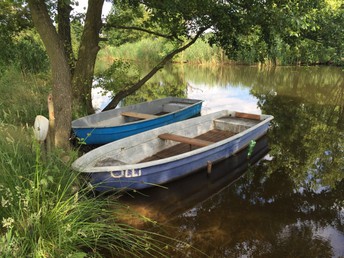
x=183, y=139
x=247, y=115
x=138, y=115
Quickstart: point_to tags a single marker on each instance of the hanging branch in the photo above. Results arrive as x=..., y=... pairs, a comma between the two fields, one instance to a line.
x=171, y=37
x=126, y=92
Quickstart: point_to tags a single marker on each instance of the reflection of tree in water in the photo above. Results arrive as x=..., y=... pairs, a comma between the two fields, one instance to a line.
x=299, y=240
x=164, y=84
x=263, y=215
x=307, y=139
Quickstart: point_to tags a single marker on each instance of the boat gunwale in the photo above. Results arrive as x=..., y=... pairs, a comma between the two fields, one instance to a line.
x=134, y=166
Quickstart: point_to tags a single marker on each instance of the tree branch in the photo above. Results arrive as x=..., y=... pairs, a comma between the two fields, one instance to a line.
x=171, y=37
x=126, y=92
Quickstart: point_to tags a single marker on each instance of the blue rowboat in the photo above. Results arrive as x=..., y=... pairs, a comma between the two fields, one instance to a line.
x=112, y=125
x=171, y=152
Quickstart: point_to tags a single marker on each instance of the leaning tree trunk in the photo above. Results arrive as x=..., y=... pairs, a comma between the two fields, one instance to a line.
x=61, y=76
x=88, y=50
x=126, y=92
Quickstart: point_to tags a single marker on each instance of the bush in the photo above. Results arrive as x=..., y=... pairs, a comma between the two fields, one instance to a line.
x=25, y=51
x=30, y=56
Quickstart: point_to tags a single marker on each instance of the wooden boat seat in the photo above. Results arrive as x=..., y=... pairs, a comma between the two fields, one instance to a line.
x=247, y=115
x=183, y=139
x=138, y=115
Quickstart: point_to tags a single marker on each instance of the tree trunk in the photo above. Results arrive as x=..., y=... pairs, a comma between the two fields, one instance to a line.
x=63, y=21
x=88, y=50
x=61, y=74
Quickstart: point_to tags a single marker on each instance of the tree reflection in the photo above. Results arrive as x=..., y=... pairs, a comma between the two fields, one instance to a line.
x=307, y=139
x=263, y=215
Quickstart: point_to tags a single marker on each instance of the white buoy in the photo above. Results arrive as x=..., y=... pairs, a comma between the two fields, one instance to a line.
x=41, y=127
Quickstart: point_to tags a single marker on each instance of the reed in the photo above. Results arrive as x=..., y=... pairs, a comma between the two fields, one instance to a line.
x=153, y=50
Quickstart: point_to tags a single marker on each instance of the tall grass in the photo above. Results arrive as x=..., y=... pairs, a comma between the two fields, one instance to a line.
x=46, y=213
x=23, y=96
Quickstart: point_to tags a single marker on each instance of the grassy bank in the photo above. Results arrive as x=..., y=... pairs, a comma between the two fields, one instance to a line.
x=45, y=210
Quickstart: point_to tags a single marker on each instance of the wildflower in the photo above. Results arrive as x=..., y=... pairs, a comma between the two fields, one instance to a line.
x=6, y=198
x=68, y=228
x=8, y=223
x=4, y=202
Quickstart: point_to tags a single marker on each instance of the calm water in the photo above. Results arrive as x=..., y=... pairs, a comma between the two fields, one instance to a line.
x=288, y=200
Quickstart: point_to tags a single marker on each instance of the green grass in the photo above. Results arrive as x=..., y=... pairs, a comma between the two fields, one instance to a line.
x=45, y=211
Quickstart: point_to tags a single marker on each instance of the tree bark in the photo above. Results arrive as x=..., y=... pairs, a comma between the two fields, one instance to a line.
x=126, y=92
x=61, y=75
x=63, y=21
x=88, y=50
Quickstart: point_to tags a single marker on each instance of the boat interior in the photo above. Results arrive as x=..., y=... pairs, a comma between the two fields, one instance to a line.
x=130, y=114
x=224, y=128
x=178, y=141
x=152, y=112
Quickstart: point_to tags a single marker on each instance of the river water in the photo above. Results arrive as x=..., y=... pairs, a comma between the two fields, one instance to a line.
x=288, y=200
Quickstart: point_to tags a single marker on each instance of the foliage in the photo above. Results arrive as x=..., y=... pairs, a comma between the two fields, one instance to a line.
x=148, y=51
x=14, y=17
x=287, y=32
x=306, y=29
x=123, y=13
x=29, y=53
x=118, y=76
x=20, y=45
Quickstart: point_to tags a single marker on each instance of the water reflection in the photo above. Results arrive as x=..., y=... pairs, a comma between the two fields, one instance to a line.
x=289, y=205
x=165, y=203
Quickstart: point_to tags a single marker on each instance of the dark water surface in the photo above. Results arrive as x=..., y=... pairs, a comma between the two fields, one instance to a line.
x=288, y=199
